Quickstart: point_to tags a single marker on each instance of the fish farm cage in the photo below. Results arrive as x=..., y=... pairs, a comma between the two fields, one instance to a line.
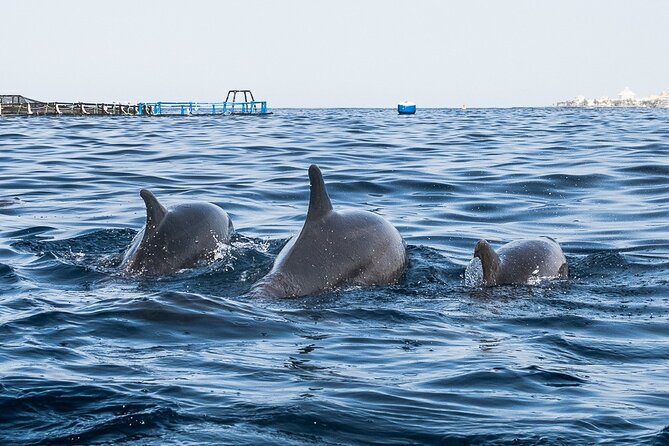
x=14, y=104
x=17, y=105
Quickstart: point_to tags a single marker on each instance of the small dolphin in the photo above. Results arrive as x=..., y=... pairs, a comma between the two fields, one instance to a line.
x=177, y=238
x=520, y=261
x=334, y=249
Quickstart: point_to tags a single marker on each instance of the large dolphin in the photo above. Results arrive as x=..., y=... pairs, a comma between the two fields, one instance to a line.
x=334, y=249
x=521, y=261
x=177, y=238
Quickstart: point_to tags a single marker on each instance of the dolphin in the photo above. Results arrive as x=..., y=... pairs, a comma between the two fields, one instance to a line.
x=178, y=238
x=520, y=261
x=334, y=249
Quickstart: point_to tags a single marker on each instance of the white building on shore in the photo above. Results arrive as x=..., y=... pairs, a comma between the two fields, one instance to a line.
x=626, y=98
x=626, y=95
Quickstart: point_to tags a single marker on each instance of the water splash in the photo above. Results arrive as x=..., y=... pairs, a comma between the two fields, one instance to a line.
x=474, y=273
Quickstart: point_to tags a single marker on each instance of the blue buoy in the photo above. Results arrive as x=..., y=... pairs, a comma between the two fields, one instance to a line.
x=406, y=108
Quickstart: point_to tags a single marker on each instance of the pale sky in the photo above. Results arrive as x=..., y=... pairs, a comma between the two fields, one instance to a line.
x=344, y=53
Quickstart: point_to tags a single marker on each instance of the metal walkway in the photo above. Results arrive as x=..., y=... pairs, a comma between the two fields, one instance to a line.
x=18, y=105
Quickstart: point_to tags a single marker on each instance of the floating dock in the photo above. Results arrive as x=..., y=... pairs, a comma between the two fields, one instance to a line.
x=17, y=105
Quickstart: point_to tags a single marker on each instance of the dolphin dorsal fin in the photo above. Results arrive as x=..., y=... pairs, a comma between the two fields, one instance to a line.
x=155, y=212
x=319, y=201
x=489, y=260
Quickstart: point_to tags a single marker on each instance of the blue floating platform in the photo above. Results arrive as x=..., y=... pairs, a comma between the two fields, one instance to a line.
x=406, y=108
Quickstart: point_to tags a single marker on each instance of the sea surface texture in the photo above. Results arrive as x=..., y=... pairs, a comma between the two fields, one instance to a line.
x=90, y=355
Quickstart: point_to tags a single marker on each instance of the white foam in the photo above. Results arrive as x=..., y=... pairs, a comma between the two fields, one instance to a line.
x=474, y=273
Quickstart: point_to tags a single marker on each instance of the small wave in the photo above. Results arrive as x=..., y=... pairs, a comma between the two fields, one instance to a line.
x=661, y=171
x=599, y=351
x=7, y=274
x=32, y=232
x=527, y=380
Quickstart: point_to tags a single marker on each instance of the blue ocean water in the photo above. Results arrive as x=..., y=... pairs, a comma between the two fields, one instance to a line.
x=91, y=356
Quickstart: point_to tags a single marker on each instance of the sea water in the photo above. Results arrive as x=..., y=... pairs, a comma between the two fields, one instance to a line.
x=89, y=355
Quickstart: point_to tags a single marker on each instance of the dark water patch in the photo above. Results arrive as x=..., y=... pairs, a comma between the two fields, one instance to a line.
x=81, y=262
x=175, y=317
x=95, y=243
x=71, y=413
x=661, y=438
x=428, y=266
x=242, y=263
x=5, y=203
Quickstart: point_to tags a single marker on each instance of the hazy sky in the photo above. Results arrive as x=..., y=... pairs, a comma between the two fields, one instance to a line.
x=310, y=53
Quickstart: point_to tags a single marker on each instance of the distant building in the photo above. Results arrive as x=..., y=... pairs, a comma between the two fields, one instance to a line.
x=626, y=98
x=626, y=94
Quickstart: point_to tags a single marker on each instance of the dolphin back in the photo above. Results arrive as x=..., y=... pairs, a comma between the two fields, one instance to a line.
x=334, y=249
x=524, y=260
x=180, y=238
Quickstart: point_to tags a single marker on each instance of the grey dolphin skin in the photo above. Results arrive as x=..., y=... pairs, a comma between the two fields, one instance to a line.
x=519, y=261
x=334, y=249
x=177, y=238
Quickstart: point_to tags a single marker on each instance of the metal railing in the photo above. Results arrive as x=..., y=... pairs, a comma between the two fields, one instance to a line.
x=201, y=108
